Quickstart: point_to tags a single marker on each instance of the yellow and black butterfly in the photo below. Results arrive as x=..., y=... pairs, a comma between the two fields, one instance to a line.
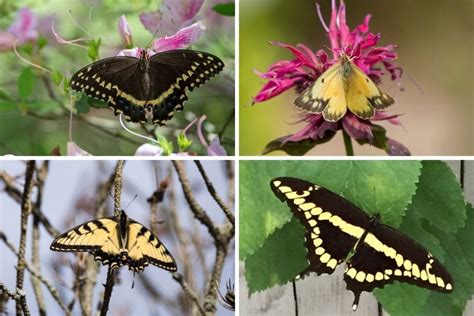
x=117, y=241
x=343, y=86
x=375, y=254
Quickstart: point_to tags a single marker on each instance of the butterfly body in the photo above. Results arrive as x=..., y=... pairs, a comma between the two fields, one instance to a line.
x=117, y=241
x=147, y=89
x=375, y=254
x=341, y=87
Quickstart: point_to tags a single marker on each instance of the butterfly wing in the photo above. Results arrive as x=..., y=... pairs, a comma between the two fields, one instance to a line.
x=173, y=73
x=363, y=95
x=144, y=90
x=143, y=248
x=333, y=225
x=99, y=237
x=385, y=256
x=326, y=95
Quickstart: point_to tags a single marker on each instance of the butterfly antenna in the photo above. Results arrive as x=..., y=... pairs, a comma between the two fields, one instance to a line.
x=130, y=202
x=149, y=43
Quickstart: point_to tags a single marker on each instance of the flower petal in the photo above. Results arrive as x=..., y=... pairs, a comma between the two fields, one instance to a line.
x=397, y=149
x=357, y=128
x=273, y=88
x=215, y=148
x=74, y=150
x=24, y=26
x=183, y=38
x=149, y=150
x=125, y=32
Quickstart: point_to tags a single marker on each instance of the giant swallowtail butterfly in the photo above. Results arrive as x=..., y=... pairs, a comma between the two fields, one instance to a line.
x=116, y=241
x=147, y=88
x=337, y=229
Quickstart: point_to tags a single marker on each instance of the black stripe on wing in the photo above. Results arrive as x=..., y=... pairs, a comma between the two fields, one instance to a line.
x=333, y=225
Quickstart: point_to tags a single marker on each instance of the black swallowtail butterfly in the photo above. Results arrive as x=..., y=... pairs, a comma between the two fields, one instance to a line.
x=335, y=228
x=147, y=88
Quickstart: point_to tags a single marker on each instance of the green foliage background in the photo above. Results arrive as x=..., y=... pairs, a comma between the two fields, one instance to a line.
x=423, y=199
x=32, y=122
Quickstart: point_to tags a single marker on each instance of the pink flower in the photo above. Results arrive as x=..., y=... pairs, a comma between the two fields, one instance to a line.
x=173, y=16
x=182, y=39
x=125, y=32
x=306, y=66
x=23, y=29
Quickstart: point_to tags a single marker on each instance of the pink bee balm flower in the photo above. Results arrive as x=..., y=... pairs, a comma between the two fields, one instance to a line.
x=304, y=69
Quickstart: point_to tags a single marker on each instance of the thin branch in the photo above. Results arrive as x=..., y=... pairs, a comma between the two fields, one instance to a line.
x=108, y=291
x=118, y=187
x=25, y=211
x=41, y=174
x=54, y=292
x=19, y=296
x=213, y=193
x=178, y=277
x=197, y=210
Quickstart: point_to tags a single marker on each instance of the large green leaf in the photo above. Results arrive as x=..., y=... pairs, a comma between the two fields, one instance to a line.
x=26, y=83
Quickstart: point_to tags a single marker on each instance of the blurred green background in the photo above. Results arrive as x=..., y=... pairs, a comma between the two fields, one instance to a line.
x=25, y=133
x=435, y=39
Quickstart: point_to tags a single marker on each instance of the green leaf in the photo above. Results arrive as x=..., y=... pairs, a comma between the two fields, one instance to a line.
x=368, y=184
x=42, y=41
x=26, y=83
x=57, y=77
x=5, y=96
x=166, y=145
x=8, y=106
x=93, y=49
x=227, y=9
x=296, y=148
x=82, y=105
x=183, y=142
x=279, y=260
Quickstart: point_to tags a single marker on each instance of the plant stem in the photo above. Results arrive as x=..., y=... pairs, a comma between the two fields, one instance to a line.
x=347, y=143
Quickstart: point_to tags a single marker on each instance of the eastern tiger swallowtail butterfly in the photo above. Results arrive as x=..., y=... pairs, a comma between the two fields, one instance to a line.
x=117, y=241
x=335, y=228
x=343, y=86
x=147, y=88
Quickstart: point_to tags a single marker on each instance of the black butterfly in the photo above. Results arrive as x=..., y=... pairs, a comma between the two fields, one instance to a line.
x=147, y=88
x=335, y=228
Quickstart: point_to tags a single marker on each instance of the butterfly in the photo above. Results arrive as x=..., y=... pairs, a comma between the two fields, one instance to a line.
x=147, y=88
x=343, y=86
x=117, y=241
x=375, y=254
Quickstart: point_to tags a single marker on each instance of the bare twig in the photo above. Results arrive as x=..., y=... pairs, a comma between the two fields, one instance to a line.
x=108, y=291
x=41, y=174
x=25, y=211
x=197, y=210
x=189, y=291
x=213, y=193
x=54, y=292
x=118, y=187
x=19, y=296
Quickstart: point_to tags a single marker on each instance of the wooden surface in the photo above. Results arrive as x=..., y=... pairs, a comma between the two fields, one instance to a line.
x=327, y=293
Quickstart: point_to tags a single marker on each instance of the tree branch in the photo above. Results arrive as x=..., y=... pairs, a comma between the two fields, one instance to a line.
x=25, y=211
x=188, y=290
x=19, y=296
x=213, y=193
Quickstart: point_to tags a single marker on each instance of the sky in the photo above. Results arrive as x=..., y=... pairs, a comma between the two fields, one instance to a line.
x=69, y=180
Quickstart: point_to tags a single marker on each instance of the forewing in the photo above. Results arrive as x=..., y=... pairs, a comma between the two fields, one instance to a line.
x=173, y=73
x=333, y=225
x=144, y=247
x=92, y=236
x=326, y=95
x=363, y=95
x=385, y=256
